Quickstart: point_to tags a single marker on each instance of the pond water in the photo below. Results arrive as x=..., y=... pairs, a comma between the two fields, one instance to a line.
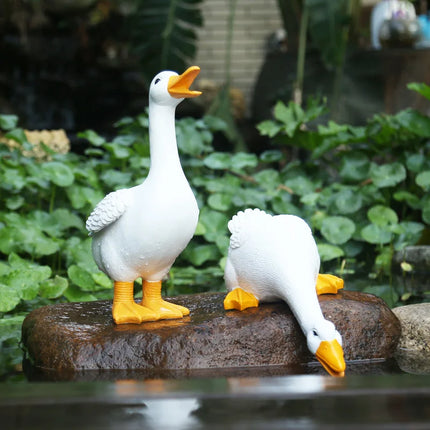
x=277, y=402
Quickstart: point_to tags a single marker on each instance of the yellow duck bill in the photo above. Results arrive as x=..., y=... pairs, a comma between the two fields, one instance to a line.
x=179, y=86
x=330, y=355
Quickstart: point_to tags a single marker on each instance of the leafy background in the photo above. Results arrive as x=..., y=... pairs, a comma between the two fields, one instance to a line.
x=363, y=189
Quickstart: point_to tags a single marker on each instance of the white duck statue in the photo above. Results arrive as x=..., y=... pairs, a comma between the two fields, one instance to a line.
x=138, y=232
x=274, y=258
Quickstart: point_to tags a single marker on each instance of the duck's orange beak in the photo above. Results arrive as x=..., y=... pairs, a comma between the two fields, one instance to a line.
x=330, y=355
x=179, y=86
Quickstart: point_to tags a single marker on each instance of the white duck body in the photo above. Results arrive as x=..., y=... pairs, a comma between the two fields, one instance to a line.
x=139, y=232
x=161, y=214
x=276, y=258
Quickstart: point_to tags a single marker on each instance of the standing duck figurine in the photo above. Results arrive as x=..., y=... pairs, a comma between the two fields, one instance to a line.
x=276, y=257
x=138, y=232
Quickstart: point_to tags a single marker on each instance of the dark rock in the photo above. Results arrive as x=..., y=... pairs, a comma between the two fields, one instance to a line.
x=76, y=337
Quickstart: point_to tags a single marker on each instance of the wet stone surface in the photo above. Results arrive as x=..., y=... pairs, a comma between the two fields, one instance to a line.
x=75, y=337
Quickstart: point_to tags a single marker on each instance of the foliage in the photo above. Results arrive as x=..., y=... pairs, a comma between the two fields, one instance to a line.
x=364, y=191
x=163, y=33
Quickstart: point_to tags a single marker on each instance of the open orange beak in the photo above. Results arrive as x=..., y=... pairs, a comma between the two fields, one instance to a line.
x=330, y=355
x=179, y=86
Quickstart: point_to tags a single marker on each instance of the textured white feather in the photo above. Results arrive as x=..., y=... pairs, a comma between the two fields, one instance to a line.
x=242, y=223
x=108, y=211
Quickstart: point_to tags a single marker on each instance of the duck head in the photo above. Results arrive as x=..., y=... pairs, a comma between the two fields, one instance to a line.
x=326, y=343
x=169, y=88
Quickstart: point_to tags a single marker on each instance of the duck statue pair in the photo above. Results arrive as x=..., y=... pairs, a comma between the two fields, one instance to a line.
x=139, y=232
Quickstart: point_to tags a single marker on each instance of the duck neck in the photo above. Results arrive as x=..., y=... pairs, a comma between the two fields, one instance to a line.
x=307, y=311
x=162, y=140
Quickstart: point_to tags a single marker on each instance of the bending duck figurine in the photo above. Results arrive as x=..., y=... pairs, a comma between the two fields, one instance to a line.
x=276, y=257
x=139, y=232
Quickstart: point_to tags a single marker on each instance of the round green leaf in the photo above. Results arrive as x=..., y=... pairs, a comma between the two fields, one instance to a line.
x=58, y=173
x=53, y=288
x=81, y=278
x=102, y=280
x=220, y=202
x=15, y=202
x=354, y=167
x=284, y=206
x=268, y=178
x=9, y=298
x=301, y=185
x=423, y=180
x=347, y=201
x=75, y=294
x=387, y=175
x=337, y=229
x=329, y=252
x=376, y=234
x=382, y=215
x=415, y=162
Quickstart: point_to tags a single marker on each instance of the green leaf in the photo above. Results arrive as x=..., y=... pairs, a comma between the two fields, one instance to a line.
x=102, y=280
x=15, y=202
x=220, y=202
x=420, y=88
x=301, y=185
x=425, y=213
x=269, y=128
x=269, y=179
x=118, y=151
x=75, y=294
x=405, y=196
x=283, y=205
x=354, y=167
x=8, y=122
x=215, y=223
x=329, y=252
x=423, y=180
x=9, y=298
x=58, y=173
x=382, y=215
x=271, y=156
x=337, y=229
x=376, y=234
x=218, y=161
x=348, y=201
x=17, y=135
x=415, y=122
x=53, y=288
x=242, y=160
x=94, y=138
x=163, y=34
x=387, y=175
x=66, y=219
x=385, y=292
x=81, y=278
x=201, y=254
x=415, y=162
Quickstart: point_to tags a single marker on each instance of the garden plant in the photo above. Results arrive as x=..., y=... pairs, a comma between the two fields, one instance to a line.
x=363, y=190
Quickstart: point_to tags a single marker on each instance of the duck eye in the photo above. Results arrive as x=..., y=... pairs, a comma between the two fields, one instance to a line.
x=157, y=81
x=314, y=332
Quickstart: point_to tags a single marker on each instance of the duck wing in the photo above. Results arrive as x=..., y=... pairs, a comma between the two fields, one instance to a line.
x=108, y=211
x=245, y=223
